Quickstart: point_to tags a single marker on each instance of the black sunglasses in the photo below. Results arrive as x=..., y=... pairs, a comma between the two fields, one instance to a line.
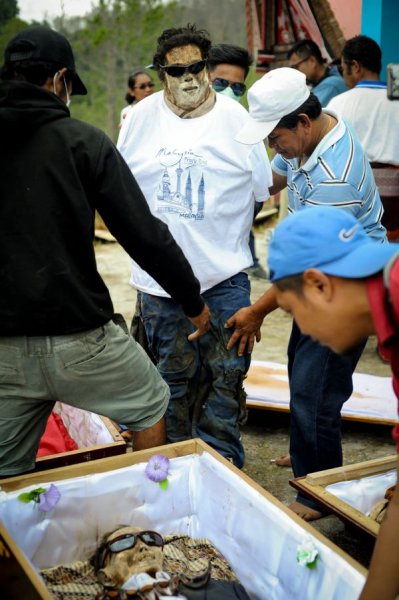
x=220, y=84
x=296, y=65
x=127, y=541
x=179, y=70
x=142, y=86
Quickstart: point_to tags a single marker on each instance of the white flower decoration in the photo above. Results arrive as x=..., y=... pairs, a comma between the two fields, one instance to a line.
x=307, y=554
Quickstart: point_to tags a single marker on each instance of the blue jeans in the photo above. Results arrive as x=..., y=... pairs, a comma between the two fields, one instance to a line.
x=205, y=380
x=320, y=382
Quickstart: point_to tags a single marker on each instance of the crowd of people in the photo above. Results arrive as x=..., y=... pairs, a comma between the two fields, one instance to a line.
x=180, y=193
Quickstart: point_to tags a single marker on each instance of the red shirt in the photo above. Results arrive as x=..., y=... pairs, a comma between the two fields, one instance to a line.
x=385, y=313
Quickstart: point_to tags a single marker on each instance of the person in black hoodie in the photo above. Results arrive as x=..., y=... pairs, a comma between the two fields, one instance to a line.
x=57, y=337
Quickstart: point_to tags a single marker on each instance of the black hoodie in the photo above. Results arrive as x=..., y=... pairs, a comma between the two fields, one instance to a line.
x=55, y=171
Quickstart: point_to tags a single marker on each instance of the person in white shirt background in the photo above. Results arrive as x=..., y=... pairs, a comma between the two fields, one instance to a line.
x=375, y=120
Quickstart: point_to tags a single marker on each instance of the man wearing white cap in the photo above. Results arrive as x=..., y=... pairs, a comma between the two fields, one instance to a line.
x=321, y=162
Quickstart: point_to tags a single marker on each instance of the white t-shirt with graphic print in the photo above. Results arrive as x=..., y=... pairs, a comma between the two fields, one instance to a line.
x=199, y=181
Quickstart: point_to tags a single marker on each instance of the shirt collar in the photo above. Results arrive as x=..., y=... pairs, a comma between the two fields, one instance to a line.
x=365, y=83
x=328, y=140
x=376, y=293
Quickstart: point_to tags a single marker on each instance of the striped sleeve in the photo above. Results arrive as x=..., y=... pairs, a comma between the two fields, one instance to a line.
x=279, y=165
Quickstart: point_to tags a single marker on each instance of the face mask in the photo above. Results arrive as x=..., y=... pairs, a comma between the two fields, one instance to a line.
x=230, y=94
x=68, y=98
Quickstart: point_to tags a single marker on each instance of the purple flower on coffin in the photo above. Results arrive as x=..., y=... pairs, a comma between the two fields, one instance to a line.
x=49, y=499
x=157, y=468
x=46, y=499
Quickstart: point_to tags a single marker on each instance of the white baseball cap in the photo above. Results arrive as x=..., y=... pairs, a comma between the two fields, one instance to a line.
x=272, y=97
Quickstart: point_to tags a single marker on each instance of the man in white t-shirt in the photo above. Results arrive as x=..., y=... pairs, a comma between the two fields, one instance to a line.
x=375, y=119
x=203, y=184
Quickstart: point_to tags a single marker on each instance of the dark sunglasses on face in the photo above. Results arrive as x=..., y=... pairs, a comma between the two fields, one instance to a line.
x=220, y=84
x=142, y=86
x=128, y=540
x=179, y=70
x=296, y=65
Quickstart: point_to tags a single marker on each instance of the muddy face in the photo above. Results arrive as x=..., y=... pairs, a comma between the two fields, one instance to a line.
x=189, y=90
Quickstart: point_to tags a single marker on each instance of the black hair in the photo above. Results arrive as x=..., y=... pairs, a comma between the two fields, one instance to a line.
x=131, y=82
x=35, y=72
x=311, y=107
x=365, y=51
x=229, y=55
x=307, y=48
x=292, y=283
x=176, y=37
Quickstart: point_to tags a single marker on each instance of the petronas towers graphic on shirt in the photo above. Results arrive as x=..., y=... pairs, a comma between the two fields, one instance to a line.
x=182, y=187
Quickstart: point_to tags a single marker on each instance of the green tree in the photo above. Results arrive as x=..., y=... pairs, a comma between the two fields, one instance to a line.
x=117, y=37
x=8, y=10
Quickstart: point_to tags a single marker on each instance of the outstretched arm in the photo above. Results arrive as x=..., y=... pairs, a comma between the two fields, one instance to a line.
x=383, y=579
x=247, y=322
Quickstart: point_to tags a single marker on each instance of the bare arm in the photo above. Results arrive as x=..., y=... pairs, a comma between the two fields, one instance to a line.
x=383, y=579
x=247, y=322
x=279, y=183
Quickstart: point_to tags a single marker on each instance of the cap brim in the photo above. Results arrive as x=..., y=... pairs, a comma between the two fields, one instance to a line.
x=364, y=261
x=78, y=87
x=255, y=131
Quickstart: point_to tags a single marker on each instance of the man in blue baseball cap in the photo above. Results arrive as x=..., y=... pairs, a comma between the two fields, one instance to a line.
x=340, y=288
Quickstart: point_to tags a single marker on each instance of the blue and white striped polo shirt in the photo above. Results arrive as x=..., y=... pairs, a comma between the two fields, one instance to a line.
x=336, y=173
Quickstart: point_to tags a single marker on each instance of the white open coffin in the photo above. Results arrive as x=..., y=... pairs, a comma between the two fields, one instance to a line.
x=206, y=497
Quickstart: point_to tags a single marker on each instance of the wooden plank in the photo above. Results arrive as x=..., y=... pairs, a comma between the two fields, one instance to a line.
x=100, y=466
x=337, y=506
x=284, y=408
x=17, y=577
x=355, y=471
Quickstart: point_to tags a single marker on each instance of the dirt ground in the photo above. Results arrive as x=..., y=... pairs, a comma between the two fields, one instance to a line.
x=265, y=435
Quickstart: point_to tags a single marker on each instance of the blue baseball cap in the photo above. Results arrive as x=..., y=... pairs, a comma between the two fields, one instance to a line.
x=329, y=239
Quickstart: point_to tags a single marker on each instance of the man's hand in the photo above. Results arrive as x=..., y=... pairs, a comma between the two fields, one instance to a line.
x=202, y=323
x=246, y=323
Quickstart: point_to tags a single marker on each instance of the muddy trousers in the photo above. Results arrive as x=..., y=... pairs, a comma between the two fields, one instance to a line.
x=205, y=380
x=320, y=383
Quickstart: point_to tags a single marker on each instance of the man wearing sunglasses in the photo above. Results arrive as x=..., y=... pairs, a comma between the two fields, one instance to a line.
x=203, y=184
x=228, y=68
x=326, y=81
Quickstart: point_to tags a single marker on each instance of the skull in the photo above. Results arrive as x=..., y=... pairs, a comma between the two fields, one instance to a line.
x=119, y=566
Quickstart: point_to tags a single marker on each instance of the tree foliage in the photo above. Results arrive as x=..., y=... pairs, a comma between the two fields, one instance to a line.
x=8, y=10
x=119, y=36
